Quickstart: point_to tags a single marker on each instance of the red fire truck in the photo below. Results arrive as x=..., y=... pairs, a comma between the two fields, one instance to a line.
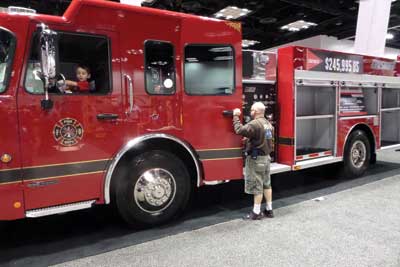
x=156, y=120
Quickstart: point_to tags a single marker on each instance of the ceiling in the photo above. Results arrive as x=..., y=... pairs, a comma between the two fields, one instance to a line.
x=333, y=17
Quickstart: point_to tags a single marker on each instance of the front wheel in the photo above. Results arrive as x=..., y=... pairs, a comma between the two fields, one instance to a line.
x=156, y=188
x=357, y=154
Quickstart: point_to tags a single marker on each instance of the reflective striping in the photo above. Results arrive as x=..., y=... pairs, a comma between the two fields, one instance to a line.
x=63, y=170
x=53, y=171
x=63, y=176
x=314, y=155
x=10, y=176
x=215, y=154
x=67, y=163
x=286, y=141
x=10, y=183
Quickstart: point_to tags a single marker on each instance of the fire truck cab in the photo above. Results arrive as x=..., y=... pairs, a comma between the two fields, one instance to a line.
x=155, y=119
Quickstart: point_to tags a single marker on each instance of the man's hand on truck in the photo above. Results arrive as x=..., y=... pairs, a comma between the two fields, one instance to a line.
x=236, y=112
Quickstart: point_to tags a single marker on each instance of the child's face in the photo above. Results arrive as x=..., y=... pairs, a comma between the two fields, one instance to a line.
x=82, y=75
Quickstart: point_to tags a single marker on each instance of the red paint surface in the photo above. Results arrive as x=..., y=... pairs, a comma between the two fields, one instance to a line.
x=197, y=120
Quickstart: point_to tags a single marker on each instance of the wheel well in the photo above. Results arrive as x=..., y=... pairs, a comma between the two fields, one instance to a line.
x=370, y=135
x=156, y=144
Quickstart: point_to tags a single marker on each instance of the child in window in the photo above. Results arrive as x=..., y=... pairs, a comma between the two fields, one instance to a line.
x=81, y=84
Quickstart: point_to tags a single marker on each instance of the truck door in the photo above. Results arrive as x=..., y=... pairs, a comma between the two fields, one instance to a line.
x=211, y=92
x=11, y=52
x=65, y=149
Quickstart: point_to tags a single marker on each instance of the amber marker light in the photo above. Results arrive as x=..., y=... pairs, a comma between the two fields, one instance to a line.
x=17, y=205
x=6, y=158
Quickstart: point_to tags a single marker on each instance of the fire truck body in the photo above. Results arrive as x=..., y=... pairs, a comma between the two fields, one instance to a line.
x=67, y=157
x=156, y=120
x=357, y=95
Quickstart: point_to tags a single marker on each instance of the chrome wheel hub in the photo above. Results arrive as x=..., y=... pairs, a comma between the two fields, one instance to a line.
x=155, y=190
x=358, y=154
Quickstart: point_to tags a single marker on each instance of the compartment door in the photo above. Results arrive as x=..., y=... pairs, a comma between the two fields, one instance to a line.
x=209, y=83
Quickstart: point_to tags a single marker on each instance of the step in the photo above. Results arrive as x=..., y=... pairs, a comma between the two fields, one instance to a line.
x=59, y=209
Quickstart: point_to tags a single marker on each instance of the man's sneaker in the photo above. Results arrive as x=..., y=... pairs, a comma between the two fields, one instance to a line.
x=268, y=213
x=252, y=216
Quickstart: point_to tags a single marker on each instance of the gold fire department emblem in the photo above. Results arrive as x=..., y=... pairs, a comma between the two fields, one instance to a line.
x=68, y=132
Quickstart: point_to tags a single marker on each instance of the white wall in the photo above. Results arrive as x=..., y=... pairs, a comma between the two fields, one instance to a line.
x=332, y=43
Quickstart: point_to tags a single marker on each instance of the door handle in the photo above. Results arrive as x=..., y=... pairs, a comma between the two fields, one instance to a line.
x=107, y=116
x=227, y=113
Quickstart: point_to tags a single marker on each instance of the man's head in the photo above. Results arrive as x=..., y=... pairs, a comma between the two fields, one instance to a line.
x=257, y=110
x=82, y=73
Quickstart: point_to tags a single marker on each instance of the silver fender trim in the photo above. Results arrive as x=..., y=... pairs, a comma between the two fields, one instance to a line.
x=134, y=142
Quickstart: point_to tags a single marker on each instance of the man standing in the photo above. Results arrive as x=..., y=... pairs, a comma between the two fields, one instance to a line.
x=258, y=134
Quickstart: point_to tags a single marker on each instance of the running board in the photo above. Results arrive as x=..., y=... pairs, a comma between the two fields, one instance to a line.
x=59, y=209
x=278, y=168
x=389, y=147
x=315, y=162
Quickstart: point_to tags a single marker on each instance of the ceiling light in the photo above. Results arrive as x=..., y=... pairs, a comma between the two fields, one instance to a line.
x=247, y=43
x=232, y=12
x=389, y=36
x=298, y=25
x=192, y=59
x=224, y=58
x=221, y=49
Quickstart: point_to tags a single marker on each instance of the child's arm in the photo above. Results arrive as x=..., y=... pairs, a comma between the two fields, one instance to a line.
x=71, y=83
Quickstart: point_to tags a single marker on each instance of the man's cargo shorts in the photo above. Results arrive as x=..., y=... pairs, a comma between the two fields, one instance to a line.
x=257, y=175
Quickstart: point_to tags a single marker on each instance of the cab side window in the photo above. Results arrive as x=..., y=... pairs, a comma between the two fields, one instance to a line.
x=7, y=49
x=209, y=69
x=77, y=54
x=160, y=68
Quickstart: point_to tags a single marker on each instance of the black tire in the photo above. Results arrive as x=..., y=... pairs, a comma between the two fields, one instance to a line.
x=357, y=154
x=155, y=189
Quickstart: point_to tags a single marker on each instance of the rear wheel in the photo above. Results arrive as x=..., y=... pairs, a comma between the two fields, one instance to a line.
x=155, y=189
x=357, y=154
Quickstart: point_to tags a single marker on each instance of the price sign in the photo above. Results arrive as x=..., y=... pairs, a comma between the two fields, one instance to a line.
x=326, y=61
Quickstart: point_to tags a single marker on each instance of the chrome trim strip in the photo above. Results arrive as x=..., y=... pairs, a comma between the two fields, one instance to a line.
x=316, y=162
x=278, y=168
x=358, y=117
x=216, y=182
x=132, y=143
x=258, y=81
x=390, y=109
x=388, y=147
x=332, y=76
x=309, y=82
x=59, y=209
x=392, y=85
x=130, y=92
x=329, y=116
x=338, y=91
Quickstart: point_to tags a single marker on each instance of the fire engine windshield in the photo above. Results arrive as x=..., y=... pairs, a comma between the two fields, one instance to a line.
x=7, y=49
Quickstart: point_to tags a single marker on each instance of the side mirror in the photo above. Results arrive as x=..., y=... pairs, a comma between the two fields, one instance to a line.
x=47, y=52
